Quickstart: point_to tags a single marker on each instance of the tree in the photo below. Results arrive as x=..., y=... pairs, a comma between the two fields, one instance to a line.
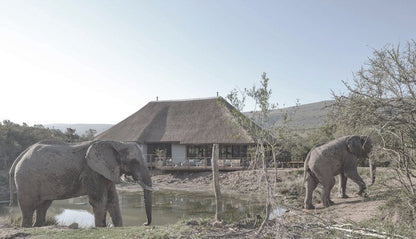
x=264, y=136
x=70, y=135
x=381, y=101
x=89, y=134
x=216, y=182
x=15, y=138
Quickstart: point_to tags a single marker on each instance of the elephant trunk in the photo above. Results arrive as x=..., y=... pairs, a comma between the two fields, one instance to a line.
x=372, y=172
x=148, y=206
x=145, y=181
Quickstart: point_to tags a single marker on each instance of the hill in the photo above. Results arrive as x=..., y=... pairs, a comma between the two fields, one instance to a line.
x=301, y=118
x=80, y=128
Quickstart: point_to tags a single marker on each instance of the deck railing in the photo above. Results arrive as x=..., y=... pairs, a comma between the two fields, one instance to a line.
x=154, y=161
x=166, y=163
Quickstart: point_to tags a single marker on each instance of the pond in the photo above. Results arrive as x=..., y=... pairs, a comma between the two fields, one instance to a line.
x=168, y=207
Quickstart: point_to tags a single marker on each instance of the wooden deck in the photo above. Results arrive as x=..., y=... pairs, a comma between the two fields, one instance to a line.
x=195, y=168
x=195, y=165
x=204, y=164
x=227, y=167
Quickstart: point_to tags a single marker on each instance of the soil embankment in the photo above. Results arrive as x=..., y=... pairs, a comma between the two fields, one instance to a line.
x=249, y=184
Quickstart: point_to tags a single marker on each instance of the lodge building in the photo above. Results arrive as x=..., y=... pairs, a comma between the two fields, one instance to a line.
x=181, y=133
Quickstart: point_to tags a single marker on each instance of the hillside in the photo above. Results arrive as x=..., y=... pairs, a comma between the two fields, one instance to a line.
x=303, y=117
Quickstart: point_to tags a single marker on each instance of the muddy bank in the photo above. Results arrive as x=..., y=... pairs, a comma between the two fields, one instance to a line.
x=249, y=183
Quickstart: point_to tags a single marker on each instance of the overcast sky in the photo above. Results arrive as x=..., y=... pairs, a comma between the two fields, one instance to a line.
x=101, y=61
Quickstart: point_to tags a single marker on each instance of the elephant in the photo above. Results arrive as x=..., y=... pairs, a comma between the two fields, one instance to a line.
x=52, y=170
x=339, y=156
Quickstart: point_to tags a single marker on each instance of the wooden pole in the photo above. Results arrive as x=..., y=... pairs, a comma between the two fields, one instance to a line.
x=216, y=183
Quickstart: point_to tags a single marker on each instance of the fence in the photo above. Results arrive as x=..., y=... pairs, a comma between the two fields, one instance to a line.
x=204, y=163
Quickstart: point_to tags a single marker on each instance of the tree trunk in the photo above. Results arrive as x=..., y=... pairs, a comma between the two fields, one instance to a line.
x=216, y=183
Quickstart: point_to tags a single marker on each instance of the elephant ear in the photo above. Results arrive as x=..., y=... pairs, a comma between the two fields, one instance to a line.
x=354, y=145
x=366, y=145
x=103, y=157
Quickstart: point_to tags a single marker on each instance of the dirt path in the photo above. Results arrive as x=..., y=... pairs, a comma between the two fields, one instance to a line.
x=354, y=209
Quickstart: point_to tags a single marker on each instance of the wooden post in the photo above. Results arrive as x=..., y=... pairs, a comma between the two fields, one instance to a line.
x=216, y=183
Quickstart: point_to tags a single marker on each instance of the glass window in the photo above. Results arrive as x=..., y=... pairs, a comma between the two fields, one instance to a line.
x=201, y=151
x=233, y=151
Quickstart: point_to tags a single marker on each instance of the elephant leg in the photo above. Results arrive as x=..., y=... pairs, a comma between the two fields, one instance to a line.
x=326, y=195
x=27, y=208
x=97, y=188
x=342, y=186
x=311, y=184
x=99, y=207
x=355, y=177
x=27, y=215
x=100, y=213
x=113, y=207
x=41, y=213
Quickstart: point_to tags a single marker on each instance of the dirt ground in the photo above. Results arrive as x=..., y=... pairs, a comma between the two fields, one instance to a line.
x=248, y=184
x=245, y=184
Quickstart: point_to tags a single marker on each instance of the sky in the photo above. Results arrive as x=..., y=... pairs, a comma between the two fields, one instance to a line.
x=101, y=61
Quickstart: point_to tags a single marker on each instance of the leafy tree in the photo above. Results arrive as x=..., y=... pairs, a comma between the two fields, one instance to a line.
x=89, y=134
x=265, y=142
x=381, y=101
x=15, y=138
x=71, y=136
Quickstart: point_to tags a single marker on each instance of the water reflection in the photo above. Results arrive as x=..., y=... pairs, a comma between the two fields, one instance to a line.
x=276, y=213
x=168, y=207
x=83, y=218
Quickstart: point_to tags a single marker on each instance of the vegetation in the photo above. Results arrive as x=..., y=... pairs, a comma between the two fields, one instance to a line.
x=14, y=138
x=381, y=101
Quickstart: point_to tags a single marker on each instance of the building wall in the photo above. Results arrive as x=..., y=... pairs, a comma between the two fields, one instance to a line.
x=178, y=153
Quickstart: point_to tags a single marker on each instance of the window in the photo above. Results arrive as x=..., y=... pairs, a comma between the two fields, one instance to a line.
x=199, y=151
x=226, y=151
x=233, y=151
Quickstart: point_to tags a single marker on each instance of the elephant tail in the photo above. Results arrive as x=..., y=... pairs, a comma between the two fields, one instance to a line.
x=11, y=175
x=306, y=170
x=11, y=182
x=11, y=179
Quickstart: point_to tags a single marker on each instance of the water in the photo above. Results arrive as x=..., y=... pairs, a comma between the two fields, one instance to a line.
x=168, y=207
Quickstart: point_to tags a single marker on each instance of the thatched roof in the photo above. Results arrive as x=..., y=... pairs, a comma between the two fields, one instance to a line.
x=199, y=121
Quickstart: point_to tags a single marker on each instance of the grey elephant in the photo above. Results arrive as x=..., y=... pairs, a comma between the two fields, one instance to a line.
x=48, y=171
x=337, y=157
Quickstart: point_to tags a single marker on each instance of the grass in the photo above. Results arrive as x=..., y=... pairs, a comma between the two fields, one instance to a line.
x=182, y=229
x=17, y=220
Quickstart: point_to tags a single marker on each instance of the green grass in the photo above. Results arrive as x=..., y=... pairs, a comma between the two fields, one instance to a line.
x=122, y=232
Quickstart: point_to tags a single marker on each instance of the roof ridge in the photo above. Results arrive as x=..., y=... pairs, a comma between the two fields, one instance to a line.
x=184, y=100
